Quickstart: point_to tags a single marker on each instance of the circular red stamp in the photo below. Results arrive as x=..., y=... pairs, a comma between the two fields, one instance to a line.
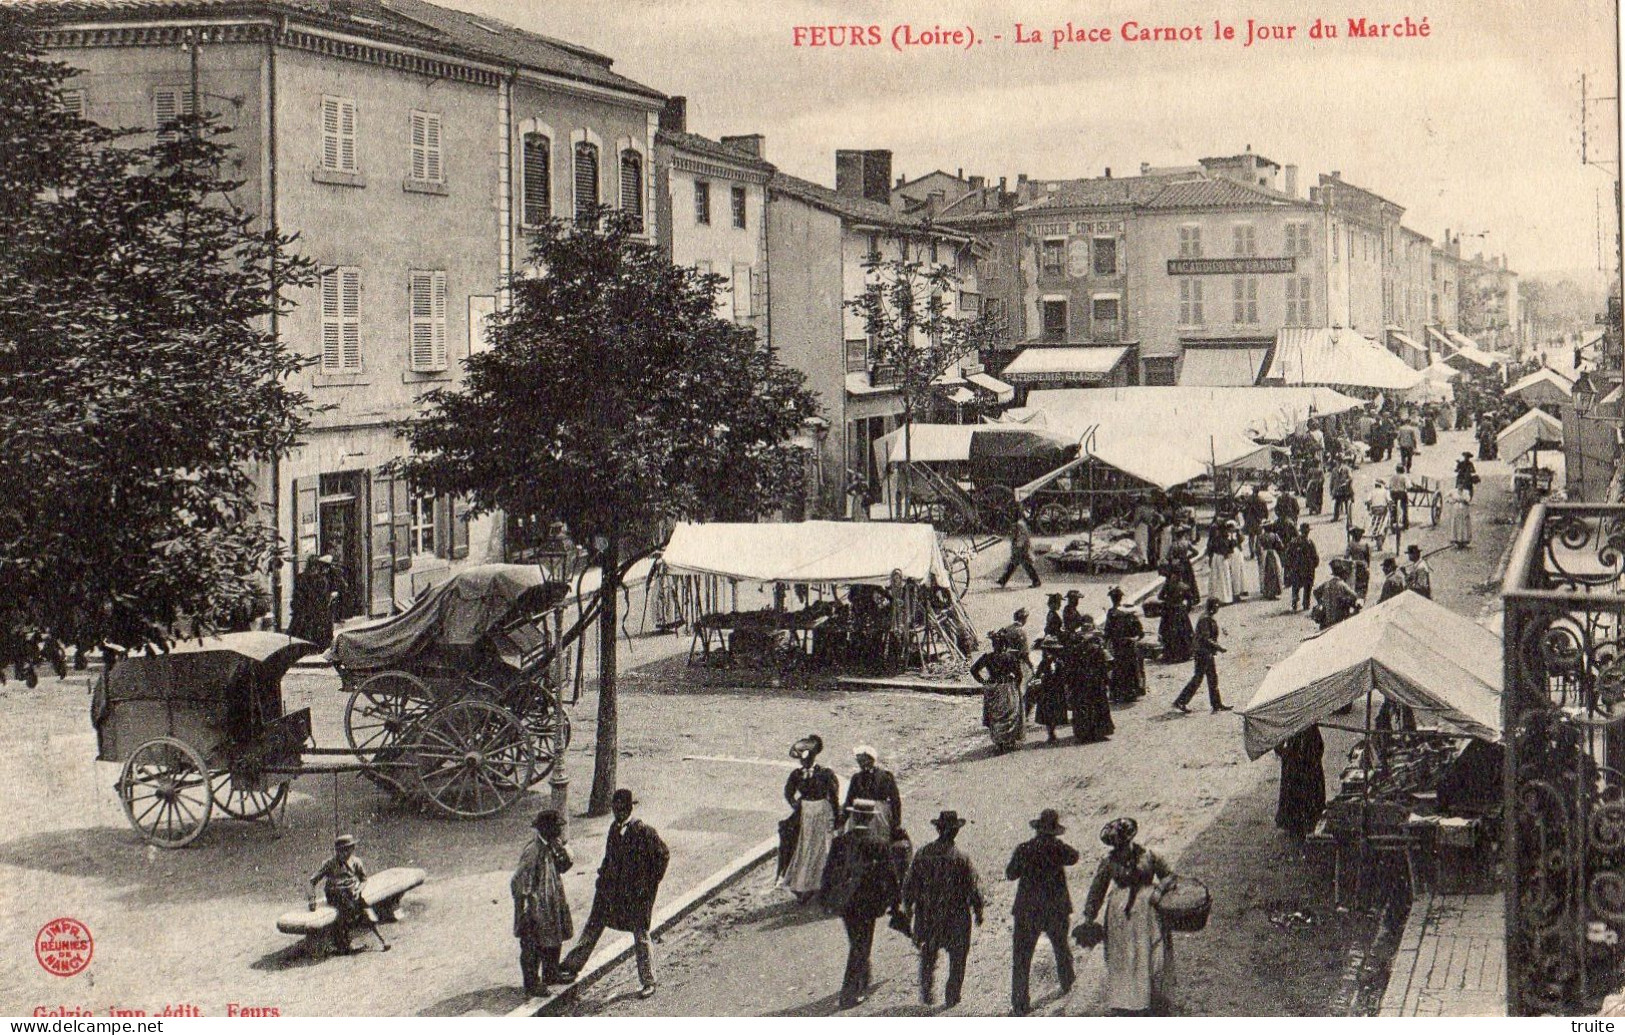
x=64, y=946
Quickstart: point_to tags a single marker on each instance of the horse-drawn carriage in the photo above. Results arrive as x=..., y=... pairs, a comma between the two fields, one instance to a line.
x=447, y=708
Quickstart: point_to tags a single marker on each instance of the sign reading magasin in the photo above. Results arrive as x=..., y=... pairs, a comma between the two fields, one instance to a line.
x=1196, y=267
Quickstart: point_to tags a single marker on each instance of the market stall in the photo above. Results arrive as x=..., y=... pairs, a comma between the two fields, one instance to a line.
x=1529, y=434
x=1421, y=684
x=960, y=476
x=868, y=593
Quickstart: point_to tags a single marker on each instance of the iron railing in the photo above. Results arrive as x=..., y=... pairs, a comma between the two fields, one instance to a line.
x=1563, y=717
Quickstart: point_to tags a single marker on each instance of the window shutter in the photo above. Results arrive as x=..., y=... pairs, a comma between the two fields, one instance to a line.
x=306, y=519
x=459, y=529
x=400, y=516
x=632, y=183
x=586, y=177
x=538, y=179
x=431, y=148
x=437, y=316
x=741, y=290
x=442, y=526
x=73, y=103
x=420, y=147
x=346, y=134
x=330, y=133
x=168, y=104
x=758, y=292
x=332, y=333
x=382, y=537
x=350, y=282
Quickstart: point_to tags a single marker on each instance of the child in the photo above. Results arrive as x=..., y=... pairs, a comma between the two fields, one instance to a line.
x=343, y=875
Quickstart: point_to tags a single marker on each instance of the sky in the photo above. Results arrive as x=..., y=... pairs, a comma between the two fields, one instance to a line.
x=1474, y=128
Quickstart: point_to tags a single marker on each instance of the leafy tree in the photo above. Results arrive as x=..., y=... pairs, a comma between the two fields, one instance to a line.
x=905, y=312
x=139, y=380
x=615, y=399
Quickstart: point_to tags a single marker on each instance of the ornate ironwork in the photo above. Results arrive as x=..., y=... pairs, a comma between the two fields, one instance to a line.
x=1563, y=713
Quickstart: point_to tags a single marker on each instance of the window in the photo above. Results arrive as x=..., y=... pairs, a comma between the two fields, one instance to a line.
x=1246, y=243
x=1298, y=306
x=428, y=317
x=1244, y=300
x=426, y=147
x=341, y=320
x=1054, y=311
x=632, y=185
x=586, y=179
x=993, y=309
x=1104, y=310
x=421, y=533
x=169, y=103
x=536, y=156
x=857, y=355
x=1190, y=303
x=1105, y=249
x=1159, y=370
x=72, y=102
x=741, y=290
x=338, y=134
x=1298, y=241
x=737, y=196
x=1052, y=260
x=702, y=202
x=1190, y=244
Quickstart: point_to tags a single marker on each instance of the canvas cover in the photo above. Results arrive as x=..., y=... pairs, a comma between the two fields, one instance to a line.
x=1336, y=356
x=825, y=552
x=1543, y=385
x=1536, y=429
x=943, y=443
x=1407, y=649
x=1263, y=412
x=207, y=670
x=455, y=613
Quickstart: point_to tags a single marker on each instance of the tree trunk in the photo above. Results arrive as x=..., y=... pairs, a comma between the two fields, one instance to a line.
x=606, y=751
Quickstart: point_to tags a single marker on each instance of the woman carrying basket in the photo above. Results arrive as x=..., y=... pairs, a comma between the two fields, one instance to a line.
x=1129, y=883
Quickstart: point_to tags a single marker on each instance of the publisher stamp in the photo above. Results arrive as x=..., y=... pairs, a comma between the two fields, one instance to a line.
x=64, y=947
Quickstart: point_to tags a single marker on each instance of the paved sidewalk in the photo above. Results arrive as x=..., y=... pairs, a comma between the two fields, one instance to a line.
x=1451, y=960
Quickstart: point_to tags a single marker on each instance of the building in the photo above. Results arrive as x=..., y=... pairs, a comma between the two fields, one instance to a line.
x=1363, y=233
x=936, y=188
x=1489, y=303
x=1445, y=311
x=1413, y=297
x=411, y=147
x=818, y=240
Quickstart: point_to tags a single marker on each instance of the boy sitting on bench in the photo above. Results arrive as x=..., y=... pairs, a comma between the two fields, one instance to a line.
x=341, y=878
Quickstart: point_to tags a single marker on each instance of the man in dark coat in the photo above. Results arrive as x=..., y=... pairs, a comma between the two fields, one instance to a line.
x=940, y=896
x=1204, y=662
x=314, y=590
x=634, y=863
x=873, y=783
x=1021, y=555
x=861, y=886
x=1043, y=905
x=1299, y=559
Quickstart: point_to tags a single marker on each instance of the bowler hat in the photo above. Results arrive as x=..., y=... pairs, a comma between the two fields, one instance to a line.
x=1048, y=822
x=344, y=841
x=623, y=797
x=948, y=820
x=1074, y=594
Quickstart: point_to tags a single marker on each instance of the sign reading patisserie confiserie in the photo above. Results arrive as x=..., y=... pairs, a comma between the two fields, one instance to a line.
x=1196, y=267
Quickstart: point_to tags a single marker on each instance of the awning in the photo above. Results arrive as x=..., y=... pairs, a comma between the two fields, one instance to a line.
x=1408, y=649
x=1438, y=340
x=960, y=396
x=1439, y=370
x=1066, y=363
x=1213, y=367
x=1544, y=384
x=1536, y=429
x=1002, y=393
x=948, y=443
x=838, y=552
x=858, y=384
x=1414, y=355
x=1336, y=356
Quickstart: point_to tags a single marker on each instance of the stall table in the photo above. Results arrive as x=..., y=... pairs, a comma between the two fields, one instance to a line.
x=712, y=631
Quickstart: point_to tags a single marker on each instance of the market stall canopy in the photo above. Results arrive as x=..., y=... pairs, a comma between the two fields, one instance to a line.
x=1438, y=341
x=1336, y=356
x=1406, y=348
x=1543, y=385
x=1065, y=363
x=1001, y=392
x=1211, y=366
x=1428, y=390
x=1439, y=370
x=1408, y=649
x=831, y=552
x=1270, y=412
x=1536, y=429
x=455, y=613
x=943, y=443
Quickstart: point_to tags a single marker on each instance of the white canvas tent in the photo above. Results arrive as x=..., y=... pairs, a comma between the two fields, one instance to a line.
x=1408, y=649
x=1543, y=385
x=940, y=443
x=826, y=552
x=1255, y=412
x=1536, y=429
x=1336, y=356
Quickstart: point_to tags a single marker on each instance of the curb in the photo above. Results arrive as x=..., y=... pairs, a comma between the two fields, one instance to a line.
x=619, y=950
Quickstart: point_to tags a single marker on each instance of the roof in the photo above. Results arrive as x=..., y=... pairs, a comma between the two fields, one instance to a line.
x=1543, y=376
x=941, y=443
x=1083, y=361
x=1446, y=667
x=1241, y=158
x=822, y=552
x=1216, y=192
x=1209, y=367
x=1100, y=192
x=851, y=207
x=1336, y=356
x=712, y=149
x=474, y=36
x=1268, y=412
x=1536, y=429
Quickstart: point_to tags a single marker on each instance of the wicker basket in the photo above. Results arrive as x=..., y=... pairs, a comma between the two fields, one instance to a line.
x=1185, y=906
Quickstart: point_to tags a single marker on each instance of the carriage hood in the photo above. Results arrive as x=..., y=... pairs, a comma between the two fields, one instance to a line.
x=209, y=670
x=455, y=613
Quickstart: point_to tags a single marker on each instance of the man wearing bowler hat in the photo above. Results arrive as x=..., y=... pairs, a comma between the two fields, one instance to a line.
x=941, y=895
x=1043, y=904
x=634, y=862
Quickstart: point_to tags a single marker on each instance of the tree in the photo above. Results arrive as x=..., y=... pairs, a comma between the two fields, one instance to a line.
x=615, y=399
x=905, y=312
x=139, y=378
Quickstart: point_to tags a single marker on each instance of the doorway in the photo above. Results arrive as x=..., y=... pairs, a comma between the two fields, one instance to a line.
x=340, y=525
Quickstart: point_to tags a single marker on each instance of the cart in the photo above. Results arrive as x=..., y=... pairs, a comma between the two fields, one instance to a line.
x=1427, y=494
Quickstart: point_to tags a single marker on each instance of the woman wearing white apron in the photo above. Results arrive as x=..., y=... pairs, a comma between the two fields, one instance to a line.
x=1139, y=955
x=814, y=792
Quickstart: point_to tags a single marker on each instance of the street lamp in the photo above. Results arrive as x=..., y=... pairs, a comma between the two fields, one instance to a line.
x=559, y=559
x=1585, y=394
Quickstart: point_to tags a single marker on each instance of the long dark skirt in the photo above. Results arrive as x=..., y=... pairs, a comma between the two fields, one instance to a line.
x=1303, y=782
x=1091, y=710
x=1049, y=698
x=1127, y=681
x=1177, y=635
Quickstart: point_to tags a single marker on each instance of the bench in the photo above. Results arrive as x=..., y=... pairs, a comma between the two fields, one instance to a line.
x=382, y=893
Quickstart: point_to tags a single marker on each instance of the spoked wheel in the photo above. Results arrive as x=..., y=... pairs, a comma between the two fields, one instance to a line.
x=541, y=726
x=383, y=708
x=958, y=574
x=165, y=791
x=238, y=802
x=1436, y=508
x=1052, y=519
x=471, y=759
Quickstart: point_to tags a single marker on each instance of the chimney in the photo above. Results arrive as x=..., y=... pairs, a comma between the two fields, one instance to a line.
x=978, y=182
x=1145, y=168
x=1108, y=172
x=1003, y=184
x=959, y=174
x=750, y=143
x=1021, y=182
x=674, y=116
x=1292, y=180
x=864, y=174
x=1337, y=174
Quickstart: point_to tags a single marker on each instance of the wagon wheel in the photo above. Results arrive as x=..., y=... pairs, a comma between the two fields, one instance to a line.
x=1052, y=519
x=471, y=759
x=1436, y=508
x=536, y=709
x=383, y=708
x=958, y=574
x=954, y=521
x=997, y=508
x=241, y=803
x=165, y=791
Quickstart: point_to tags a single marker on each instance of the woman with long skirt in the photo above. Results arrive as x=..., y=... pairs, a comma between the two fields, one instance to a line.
x=1220, y=546
x=1000, y=671
x=1458, y=512
x=814, y=792
x=1174, y=627
x=1241, y=584
x=1048, y=692
x=1139, y=955
x=1303, y=782
x=1269, y=564
x=1090, y=670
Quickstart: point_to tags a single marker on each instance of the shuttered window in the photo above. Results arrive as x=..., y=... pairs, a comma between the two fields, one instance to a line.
x=702, y=202
x=538, y=178
x=426, y=147
x=428, y=305
x=169, y=103
x=338, y=134
x=741, y=290
x=1190, y=243
x=1244, y=300
x=632, y=185
x=586, y=166
x=1191, y=312
x=341, y=320
x=739, y=198
x=73, y=103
